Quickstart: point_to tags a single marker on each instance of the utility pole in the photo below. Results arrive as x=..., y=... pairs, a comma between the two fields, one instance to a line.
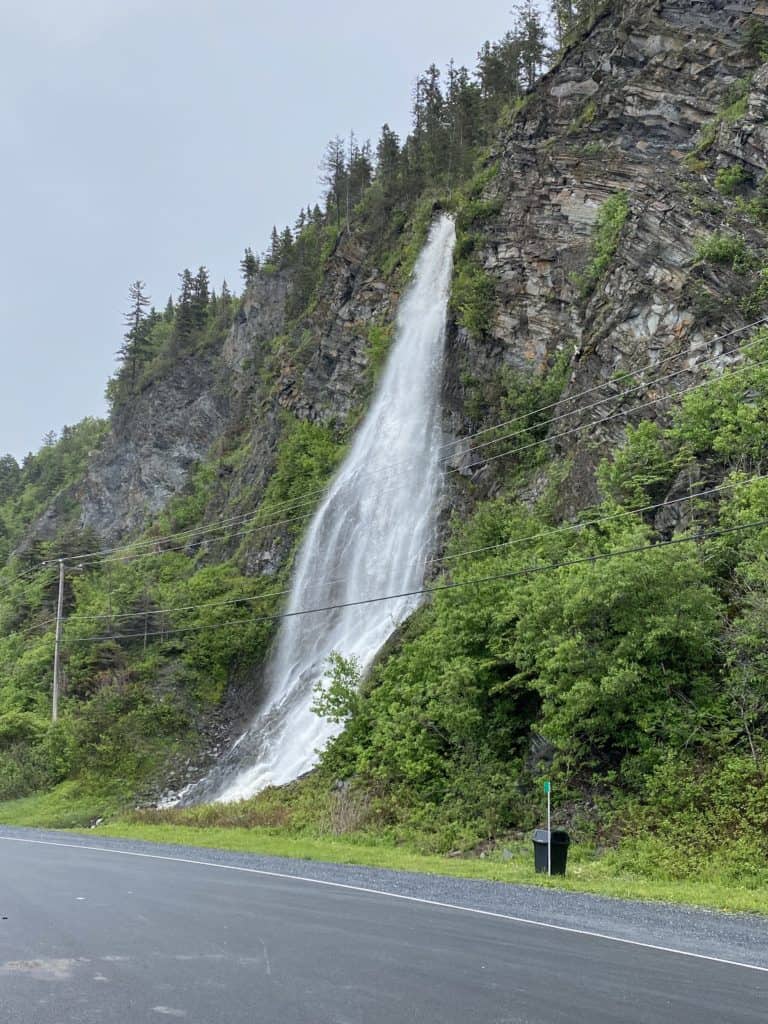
x=57, y=646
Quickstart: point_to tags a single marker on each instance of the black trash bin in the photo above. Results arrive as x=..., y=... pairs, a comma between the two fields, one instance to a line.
x=560, y=843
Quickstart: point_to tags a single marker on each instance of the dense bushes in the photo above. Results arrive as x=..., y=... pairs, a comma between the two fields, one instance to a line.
x=605, y=672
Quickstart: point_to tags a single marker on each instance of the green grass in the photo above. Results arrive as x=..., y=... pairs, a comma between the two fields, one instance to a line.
x=65, y=806
x=606, y=873
x=603, y=875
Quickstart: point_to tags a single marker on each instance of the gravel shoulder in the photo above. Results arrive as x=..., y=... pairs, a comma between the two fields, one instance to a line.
x=736, y=937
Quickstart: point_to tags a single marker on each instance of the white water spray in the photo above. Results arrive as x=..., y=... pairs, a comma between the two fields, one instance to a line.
x=371, y=536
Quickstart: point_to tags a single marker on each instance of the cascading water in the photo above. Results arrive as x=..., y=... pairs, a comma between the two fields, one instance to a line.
x=369, y=537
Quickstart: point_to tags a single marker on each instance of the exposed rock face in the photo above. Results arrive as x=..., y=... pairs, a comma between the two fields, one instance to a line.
x=620, y=113
x=152, y=447
x=316, y=370
x=261, y=319
x=329, y=376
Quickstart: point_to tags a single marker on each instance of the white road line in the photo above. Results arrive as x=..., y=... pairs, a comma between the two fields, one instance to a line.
x=390, y=895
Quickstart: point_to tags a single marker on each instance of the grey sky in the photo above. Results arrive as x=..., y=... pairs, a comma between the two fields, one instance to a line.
x=138, y=138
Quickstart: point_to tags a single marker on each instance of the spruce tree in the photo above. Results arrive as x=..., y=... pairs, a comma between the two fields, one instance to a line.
x=185, y=320
x=360, y=173
x=334, y=176
x=249, y=266
x=201, y=296
x=10, y=477
x=286, y=244
x=387, y=156
x=135, y=345
x=532, y=34
x=273, y=253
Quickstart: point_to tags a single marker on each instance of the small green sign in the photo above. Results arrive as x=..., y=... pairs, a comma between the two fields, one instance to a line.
x=547, y=786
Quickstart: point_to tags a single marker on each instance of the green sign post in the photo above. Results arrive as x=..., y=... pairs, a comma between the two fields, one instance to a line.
x=548, y=791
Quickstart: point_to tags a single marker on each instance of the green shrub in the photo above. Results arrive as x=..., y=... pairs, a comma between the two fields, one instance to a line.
x=586, y=116
x=728, y=179
x=757, y=39
x=736, y=110
x=474, y=211
x=638, y=467
x=474, y=298
x=379, y=341
x=756, y=208
x=611, y=219
x=723, y=250
x=732, y=110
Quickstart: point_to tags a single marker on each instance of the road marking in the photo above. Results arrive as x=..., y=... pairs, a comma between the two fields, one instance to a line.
x=391, y=895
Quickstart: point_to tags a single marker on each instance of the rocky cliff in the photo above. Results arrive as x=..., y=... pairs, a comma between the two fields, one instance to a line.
x=652, y=103
x=617, y=222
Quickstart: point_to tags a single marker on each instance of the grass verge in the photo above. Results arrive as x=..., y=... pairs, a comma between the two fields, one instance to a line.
x=602, y=872
x=603, y=875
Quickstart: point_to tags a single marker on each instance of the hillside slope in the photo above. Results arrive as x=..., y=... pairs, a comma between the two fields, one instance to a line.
x=610, y=259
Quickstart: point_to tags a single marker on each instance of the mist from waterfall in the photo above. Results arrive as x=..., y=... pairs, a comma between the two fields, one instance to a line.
x=370, y=536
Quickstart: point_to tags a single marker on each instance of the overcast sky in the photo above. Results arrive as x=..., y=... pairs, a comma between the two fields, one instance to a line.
x=138, y=138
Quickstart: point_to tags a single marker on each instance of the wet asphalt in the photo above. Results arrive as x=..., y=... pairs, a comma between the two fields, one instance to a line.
x=134, y=932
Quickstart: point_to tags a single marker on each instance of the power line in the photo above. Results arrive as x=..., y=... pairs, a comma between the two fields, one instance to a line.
x=605, y=419
x=439, y=559
x=644, y=386
x=27, y=574
x=290, y=504
x=260, y=527
x=530, y=571
x=573, y=430
x=89, y=558
x=572, y=527
x=627, y=373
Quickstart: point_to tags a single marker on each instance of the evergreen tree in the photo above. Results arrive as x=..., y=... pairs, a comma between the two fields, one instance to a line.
x=185, y=320
x=563, y=16
x=201, y=296
x=273, y=253
x=463, y=105
x=249, y=266
x=10, y=477
x=300, y=223
x=532, y=35
x=429, y=131
x=500, y=71
x=334, y=176
x=135, y=345
x=571, y=16
x=286, y=244
x=388, y=158
x=139, y=303
x=360, y=173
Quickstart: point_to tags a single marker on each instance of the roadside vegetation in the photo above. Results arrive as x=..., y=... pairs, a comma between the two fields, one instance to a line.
x=621, y=654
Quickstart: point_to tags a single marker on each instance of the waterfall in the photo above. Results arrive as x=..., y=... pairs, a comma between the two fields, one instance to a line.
x=369, y=537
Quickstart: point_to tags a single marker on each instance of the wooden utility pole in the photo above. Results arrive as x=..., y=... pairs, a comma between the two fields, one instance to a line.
x=57, y=646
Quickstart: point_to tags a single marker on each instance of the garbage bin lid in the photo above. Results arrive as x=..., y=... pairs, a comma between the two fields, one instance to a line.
x=559, y=838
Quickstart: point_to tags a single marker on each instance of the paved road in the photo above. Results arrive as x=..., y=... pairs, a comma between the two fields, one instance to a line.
x=126, y=934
